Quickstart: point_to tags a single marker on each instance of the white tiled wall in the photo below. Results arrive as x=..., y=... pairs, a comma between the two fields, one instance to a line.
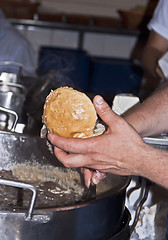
x=48, y=37
x=109, y=45
x=96, y=44
x=119, y=45
x=38, y=36
x=61, y=38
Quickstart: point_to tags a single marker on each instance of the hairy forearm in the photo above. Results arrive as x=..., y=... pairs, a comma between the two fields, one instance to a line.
x=155, y=165
x=150, y=117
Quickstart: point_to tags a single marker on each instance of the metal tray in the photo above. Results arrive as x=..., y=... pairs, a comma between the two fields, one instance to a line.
x=160, y=141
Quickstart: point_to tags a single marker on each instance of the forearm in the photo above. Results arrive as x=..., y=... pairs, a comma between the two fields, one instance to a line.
x=151, y=117
x=155, y=48
x=150, y=58
x=154, y=165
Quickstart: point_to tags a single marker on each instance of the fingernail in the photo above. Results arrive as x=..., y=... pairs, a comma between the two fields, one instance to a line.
x=95, y=180
x=99, y=100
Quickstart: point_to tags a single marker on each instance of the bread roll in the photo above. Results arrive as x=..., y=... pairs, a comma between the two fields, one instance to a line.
x=69, y=113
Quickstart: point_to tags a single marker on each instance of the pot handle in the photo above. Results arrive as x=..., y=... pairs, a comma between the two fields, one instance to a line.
x=144, y=185
x=13, y=113
x=12, y=183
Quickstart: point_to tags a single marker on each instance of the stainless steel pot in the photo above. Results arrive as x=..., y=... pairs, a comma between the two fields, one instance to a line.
x=8, y=119
x=94, y=219
x=12, y=87
x=10, y=71
x=91, y=219
x=12, y=97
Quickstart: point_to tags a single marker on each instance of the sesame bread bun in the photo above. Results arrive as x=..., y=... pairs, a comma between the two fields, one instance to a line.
x=69, y=113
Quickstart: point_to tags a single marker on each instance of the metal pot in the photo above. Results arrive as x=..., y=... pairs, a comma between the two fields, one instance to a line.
x=124, y=231
x=12, y=97
x=8, y=119
x=12, y=87
x=92, y=219
x=10, y=71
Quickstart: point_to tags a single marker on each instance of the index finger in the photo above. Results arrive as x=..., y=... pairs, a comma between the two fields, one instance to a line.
x=73, y=145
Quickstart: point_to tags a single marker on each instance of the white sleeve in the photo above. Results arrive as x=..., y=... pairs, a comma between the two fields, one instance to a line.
x=159, y=21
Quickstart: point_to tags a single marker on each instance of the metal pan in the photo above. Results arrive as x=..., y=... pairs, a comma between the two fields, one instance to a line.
x=89, y=219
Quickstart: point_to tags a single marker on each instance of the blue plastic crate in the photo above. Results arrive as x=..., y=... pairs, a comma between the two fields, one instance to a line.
x=74, y=64
x=114, y=76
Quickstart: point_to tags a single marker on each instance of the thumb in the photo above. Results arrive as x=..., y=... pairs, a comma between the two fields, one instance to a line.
x=104, y=111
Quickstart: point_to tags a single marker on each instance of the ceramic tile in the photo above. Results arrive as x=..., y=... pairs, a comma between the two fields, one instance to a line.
x=119, y=46
x=38, y=37
x=64, y=38
x=94, y=43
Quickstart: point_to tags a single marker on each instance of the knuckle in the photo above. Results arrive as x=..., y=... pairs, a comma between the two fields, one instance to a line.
x=67, y=164
x=105, y=109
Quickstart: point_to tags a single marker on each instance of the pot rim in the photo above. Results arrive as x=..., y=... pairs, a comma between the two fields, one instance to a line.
x=70, y=207
x=89, y=202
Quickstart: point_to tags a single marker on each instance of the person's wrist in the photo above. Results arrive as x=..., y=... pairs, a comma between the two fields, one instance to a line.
x=135, y=121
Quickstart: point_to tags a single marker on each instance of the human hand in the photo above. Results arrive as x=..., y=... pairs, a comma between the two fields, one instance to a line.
x=92, y=176
x=120, y=150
